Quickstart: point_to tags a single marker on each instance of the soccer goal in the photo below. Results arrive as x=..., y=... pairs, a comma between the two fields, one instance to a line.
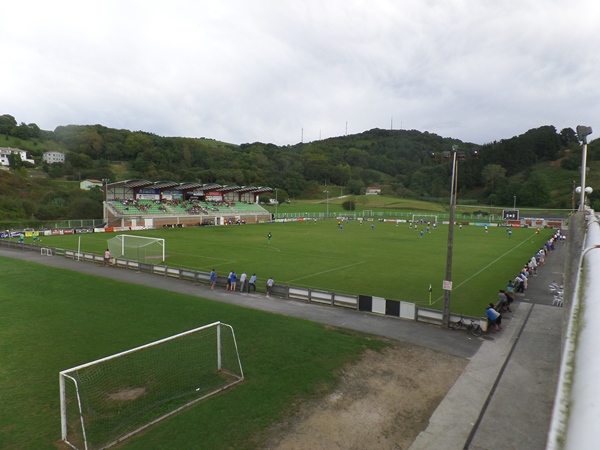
x=425, y=218
x=106, y=401
x=137, y=248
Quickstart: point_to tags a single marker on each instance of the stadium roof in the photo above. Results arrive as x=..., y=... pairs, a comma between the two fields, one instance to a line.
x=165, y=185
x=228, y=188
x=187, y=186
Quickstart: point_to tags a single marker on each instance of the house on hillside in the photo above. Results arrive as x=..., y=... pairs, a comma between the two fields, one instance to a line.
x=86, y=185
x=53, y=157
x=373, y=190
x=5, y=152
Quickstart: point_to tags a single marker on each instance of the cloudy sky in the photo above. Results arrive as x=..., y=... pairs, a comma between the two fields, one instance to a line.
x=283, y=71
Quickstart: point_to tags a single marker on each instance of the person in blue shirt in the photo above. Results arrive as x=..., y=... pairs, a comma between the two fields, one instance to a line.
x=233, y=280
x=213, y=278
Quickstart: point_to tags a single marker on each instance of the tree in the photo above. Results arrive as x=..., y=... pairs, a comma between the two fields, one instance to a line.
x=7, y=123
x=349, y=205
x=492, y=175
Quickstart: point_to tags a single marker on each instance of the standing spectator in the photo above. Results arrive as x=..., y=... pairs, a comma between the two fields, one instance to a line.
x=510, y=292
x=106, y=257
x=270, y=284
x=242, y=281
x=251, y=283
x=213, y=278
x=229, y=281
x=233, y=281
x=503, y=301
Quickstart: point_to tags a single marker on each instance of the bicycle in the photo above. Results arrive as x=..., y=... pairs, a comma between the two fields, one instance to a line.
x=472, y=327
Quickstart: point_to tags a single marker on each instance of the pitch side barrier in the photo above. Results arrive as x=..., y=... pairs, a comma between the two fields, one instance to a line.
x=364, y=303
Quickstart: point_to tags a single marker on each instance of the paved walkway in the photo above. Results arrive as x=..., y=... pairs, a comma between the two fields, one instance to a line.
x=503, y=399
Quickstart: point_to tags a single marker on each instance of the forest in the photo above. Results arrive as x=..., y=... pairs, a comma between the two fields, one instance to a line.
x=406, y=163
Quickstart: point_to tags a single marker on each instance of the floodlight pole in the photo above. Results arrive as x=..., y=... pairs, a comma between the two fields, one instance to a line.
x=583, y=132
x=104, y=203
x=276, y=203
x=448, y=279
x=514, y=202
x=326, y=204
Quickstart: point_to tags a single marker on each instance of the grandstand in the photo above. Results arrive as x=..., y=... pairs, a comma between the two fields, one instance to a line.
x=162, y=204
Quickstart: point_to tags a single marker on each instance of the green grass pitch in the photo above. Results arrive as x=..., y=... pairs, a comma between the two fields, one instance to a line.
x=53, y=320
x=375, y=258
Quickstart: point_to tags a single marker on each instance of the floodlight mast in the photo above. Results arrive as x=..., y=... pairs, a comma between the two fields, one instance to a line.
x=583, y=132
x=448, y=279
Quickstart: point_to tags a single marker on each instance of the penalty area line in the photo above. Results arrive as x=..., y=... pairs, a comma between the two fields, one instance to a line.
x=326, y=271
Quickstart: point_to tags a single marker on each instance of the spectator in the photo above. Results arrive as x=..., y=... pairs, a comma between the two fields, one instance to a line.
x=270, y=284
x=251, y=283
x=242, y=281
x=213, y=278
x=494, y=318
x=503, y=301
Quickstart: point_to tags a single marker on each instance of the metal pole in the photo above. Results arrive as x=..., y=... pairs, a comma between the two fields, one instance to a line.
x=583, y=171
x=583, y=132
x=446, y=310
x=514, y=202
x=276, y=203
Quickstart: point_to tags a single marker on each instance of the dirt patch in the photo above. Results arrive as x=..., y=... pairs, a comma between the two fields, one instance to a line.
x=127, y=394
x=384, y=401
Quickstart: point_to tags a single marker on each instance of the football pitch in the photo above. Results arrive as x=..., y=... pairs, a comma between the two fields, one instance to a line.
x=53, y=320
x=376, y=258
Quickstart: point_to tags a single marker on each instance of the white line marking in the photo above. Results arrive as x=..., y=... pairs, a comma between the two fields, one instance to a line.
x=325, y=271
x=477, y=273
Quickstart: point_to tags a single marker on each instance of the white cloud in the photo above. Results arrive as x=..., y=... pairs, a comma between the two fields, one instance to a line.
x=244, y=71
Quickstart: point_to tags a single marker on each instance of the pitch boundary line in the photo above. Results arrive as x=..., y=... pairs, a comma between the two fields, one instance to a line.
x=326, y=271
x=484, y=268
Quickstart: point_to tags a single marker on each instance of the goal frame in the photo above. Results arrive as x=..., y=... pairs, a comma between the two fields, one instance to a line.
x=124, y=237
x=416, y=217
x=65, y=374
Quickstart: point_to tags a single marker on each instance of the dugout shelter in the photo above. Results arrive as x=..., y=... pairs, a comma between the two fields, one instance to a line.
x=162, y=204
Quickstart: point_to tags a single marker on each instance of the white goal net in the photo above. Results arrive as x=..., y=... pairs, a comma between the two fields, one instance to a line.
x=106, y=401
x=137, y=248
x=425, y=218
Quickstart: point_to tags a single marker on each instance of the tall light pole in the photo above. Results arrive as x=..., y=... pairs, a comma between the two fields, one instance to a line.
x=276, y=203
x=104, y=203
x=514, y=202
x=583, y=132
x=326, y=203
x=448, y=280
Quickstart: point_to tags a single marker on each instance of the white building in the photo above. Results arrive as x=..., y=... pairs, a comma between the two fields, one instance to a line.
x=53, y=157
x=86, y=185
x=5, y=152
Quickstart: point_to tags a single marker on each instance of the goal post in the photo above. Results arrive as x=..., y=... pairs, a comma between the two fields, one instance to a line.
x=137, y=248
x=106, y=401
